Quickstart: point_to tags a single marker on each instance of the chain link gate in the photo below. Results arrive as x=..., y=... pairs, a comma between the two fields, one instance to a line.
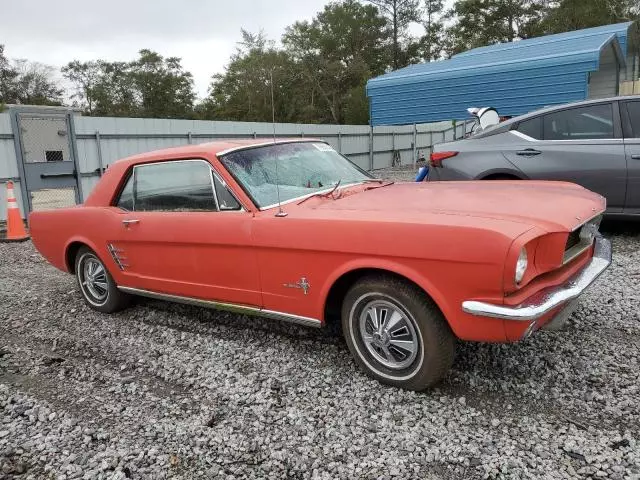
x=46, y=157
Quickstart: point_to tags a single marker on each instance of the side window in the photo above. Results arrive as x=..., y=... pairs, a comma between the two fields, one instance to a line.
x=634, y=116
x=226, y=200
x=582, y=123
x=532, y=127
x=126, y=196
x=180, y=186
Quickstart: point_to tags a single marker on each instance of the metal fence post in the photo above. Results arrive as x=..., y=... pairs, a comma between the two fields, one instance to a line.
x=99, y=151
x=371, y=147
x=393, y=149
x=430, y=142
x=74, y=153
x=255, y=134
x=339, y=142
x=17, y=143
x=189, y=138
x=415, y=146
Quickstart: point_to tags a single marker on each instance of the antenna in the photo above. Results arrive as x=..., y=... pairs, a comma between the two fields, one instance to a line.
x=280, y=213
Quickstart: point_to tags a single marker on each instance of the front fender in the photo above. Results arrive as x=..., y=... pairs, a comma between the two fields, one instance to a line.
x=392, y=266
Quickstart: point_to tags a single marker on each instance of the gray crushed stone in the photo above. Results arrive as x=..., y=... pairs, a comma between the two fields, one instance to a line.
x=170, y=391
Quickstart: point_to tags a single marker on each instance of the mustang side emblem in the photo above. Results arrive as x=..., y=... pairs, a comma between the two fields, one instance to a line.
x=303, y=284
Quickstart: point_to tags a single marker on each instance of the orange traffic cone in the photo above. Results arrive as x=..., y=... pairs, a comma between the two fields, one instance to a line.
x=15, y=227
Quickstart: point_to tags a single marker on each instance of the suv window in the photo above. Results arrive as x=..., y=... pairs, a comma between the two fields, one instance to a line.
x=581, y=123
x=531, y=127
x=633, y=108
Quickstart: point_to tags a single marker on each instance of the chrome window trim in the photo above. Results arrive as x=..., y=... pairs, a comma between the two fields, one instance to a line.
x=588, y=141
x=231, y=307
x=178, y=160
x=249, y=146
x=225, y=185
x=182, y=160
x=523, y=136
x=213, y=187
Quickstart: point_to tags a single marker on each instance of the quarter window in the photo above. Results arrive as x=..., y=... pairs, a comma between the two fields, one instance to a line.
x=633, y=108
x=126, y=196
x=226, y=200
x=582, y=123
x=532, y=127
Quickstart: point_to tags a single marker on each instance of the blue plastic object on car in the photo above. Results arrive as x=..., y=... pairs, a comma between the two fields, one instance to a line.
x=422, y=173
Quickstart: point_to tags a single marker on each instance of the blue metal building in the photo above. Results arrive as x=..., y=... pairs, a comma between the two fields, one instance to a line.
x=514, y=78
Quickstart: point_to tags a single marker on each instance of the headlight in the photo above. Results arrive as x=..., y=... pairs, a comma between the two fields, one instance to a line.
x=521, y=265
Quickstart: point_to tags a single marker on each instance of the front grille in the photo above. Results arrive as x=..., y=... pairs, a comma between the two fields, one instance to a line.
x=573, y=240
x=580, y=239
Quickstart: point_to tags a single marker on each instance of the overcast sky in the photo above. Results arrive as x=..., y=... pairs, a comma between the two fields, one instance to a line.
x=203, y=33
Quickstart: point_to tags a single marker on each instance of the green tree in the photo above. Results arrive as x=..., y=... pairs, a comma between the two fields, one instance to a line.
x=400, y=14
x=34, y=84
x=484, y=22
x=243, y=91
x=8, y=75
x=566, y=15
x=165, y=90
x=114, y=93
x=343, y=46
x=150, y=86
x=431, y=43
x=29, y=83
x=85, y=77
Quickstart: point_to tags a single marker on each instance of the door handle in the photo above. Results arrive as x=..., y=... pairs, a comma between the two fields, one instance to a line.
x=59, y=175
x=528, y=152
x=636, y=156
x=127, y=223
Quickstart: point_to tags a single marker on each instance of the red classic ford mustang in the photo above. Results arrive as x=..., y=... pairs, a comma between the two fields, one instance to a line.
x=292, y=230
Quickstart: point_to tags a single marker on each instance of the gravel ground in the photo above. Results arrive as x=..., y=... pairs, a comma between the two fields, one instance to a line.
x=405, y=173
x=170, y=391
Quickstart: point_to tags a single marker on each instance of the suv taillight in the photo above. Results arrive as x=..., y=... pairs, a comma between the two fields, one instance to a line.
x=436, y=158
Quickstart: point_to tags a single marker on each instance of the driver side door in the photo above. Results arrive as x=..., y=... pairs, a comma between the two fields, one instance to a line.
x=181, y=232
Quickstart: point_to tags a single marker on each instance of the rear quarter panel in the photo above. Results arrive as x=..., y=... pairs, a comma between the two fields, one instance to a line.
x=477, y=159
x=53, y=231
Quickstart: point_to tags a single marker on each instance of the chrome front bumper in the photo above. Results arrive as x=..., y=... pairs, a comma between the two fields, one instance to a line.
x=550, y=298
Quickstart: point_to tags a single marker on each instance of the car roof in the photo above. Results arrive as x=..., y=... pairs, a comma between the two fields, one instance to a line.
x=217, y=148
x=504, y=125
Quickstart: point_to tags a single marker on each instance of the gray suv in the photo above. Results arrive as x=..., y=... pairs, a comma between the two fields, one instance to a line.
x=595, y=143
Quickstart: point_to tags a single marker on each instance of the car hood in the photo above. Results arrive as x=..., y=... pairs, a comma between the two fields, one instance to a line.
x=554, y=206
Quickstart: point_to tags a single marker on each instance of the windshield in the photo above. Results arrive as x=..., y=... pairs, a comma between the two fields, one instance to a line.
x=304, y=168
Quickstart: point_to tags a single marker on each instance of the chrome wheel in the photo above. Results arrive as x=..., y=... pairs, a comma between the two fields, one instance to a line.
x=93, y=279
x=389, y=334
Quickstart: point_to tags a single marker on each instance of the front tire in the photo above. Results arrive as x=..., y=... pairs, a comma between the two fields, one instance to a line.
x=96, y=283
x=397, y=334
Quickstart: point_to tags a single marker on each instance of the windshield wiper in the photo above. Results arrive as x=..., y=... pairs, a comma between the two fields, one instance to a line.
x=380, y=186
x=322, y=194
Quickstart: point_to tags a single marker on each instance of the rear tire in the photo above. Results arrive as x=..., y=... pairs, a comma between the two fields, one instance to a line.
x=96, y=283
x=412, y=346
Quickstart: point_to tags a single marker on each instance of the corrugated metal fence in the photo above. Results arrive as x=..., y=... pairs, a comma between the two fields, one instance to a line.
x=100, y=141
